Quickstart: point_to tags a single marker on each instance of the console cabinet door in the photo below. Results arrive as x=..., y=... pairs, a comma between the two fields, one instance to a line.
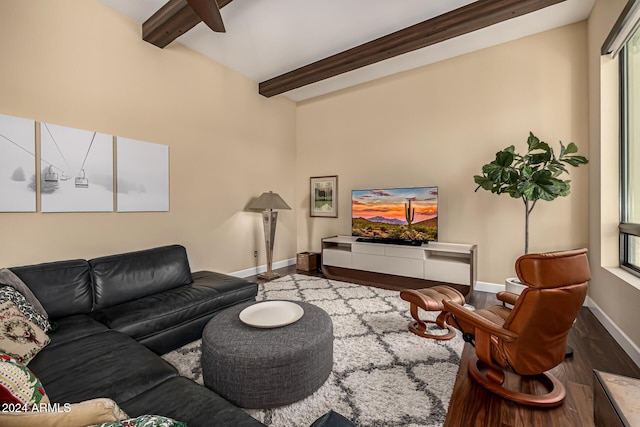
x=450, y=268
x=336, y=258
x=388, y=265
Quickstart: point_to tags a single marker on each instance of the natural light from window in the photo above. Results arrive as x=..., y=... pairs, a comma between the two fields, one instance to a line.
x=630, y=214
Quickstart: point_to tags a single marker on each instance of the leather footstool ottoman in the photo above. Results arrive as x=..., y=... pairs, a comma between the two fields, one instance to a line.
x=430, y=299
x=265, y=368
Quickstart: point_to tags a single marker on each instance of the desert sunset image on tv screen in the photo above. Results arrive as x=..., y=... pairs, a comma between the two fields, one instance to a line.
x=398, y=213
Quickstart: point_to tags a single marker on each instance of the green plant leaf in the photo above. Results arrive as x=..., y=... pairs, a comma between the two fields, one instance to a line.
x=514, y=193
x=483, y=182
x=538, y=158
x=564, y=188
x=493, y=172
x=532, y=141
x=504, y=158
x=575, y=161
x=571, y=148
x=556, y=168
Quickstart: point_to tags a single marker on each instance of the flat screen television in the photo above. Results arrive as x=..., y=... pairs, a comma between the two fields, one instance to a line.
x=395, y=215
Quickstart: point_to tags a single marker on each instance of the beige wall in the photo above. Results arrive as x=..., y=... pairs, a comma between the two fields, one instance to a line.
x=437, y=125
x=614, y=291
x=80, y=64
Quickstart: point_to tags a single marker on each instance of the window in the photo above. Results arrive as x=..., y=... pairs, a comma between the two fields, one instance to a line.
x=630, y=154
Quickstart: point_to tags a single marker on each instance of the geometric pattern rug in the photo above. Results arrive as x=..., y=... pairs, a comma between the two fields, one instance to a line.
x=383, y=375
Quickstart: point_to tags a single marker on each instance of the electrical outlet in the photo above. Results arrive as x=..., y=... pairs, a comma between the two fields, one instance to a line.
x=255, y=254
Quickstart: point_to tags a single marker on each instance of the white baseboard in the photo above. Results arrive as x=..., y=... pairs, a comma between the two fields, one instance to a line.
x=621, y=338
x=262, y=268
x=493, y=288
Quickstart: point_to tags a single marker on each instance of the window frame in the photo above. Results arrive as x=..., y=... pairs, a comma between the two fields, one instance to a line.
x=626, y=229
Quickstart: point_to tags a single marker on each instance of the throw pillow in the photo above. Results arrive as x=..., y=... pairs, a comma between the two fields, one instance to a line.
x=76, y=415
x=10, y=278
x=144, y=421
x=8, y=293
x=19, y=387
x=19, y=337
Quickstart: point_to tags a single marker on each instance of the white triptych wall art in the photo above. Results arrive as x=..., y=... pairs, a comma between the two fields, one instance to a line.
x=76, y=170
x=17, y=164
x=143, y=176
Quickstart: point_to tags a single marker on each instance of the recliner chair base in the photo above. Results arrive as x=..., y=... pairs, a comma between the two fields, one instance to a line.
x=493, y=380
x=419, y=327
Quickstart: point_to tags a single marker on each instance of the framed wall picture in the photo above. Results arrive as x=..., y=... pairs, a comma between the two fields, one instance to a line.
x=324, y=196
x=17, y=164
x=143, y=176
x=76, y=170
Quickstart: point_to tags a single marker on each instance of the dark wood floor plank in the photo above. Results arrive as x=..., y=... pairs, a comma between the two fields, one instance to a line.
x=594, y=348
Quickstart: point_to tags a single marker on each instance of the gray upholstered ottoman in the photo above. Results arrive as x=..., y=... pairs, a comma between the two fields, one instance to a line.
x=266, y=368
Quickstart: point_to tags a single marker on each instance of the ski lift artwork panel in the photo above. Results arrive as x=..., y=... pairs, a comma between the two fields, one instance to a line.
x=81, y=180
x=17, y=164
x=78, y=157
x=143, y=176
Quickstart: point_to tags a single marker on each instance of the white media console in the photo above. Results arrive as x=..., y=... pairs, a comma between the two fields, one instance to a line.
x=398, y=266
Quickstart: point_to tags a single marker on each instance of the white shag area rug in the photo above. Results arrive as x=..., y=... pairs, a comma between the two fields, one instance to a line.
x=383, y=375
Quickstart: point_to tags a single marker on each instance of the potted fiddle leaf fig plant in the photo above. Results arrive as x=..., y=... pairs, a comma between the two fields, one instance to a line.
x=530, y=177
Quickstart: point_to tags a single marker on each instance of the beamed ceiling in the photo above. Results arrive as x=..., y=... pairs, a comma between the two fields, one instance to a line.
x=304, y=48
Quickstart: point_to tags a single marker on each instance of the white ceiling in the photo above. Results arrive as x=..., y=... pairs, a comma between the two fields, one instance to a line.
x=266, y=38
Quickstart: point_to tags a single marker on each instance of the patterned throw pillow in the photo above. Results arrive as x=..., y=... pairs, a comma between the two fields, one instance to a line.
x=8, y=277
x=144, y=421
x=19, y=337
x=9, y=294
x=19, y=388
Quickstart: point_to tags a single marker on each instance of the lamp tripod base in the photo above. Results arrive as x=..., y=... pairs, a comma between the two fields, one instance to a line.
x=268, y=275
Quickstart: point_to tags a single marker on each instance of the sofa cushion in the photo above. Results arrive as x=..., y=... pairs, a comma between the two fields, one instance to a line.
x=18, y=385
x=209, y=293
x=62, y=287
x=197, y=406
x=74, y=327
x=107, y=364
x=19, y=337
x=129, y=276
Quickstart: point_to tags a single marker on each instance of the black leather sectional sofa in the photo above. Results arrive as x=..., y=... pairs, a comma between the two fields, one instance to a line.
x=115, y=314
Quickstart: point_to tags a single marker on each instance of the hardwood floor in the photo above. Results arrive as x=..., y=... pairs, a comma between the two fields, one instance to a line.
x=594, y=348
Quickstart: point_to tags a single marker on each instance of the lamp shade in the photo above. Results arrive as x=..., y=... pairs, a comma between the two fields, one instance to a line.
x=267, y=201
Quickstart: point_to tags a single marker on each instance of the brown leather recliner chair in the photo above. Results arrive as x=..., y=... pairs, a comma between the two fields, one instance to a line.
x=531, y=338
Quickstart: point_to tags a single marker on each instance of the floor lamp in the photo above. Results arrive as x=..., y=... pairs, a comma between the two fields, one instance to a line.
x=267, y=202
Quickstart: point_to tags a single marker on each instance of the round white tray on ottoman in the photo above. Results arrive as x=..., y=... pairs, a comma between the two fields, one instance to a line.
x=267, y=366
x=271, y=314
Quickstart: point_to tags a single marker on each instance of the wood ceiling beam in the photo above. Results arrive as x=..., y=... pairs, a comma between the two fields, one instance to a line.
x=475, y=16
x=177, y=17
